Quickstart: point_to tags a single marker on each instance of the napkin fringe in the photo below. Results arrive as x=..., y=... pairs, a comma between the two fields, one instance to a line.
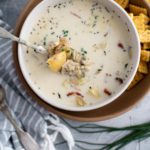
x=58, y=128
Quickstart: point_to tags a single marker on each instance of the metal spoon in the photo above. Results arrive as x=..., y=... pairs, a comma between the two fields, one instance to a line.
x=27, y=141
x=7, y=35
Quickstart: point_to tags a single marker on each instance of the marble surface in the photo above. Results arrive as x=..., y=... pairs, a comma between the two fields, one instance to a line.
x=139, y=114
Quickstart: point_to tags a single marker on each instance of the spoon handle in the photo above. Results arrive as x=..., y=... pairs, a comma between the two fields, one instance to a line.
x=10, y=117
x=7, y=35
x=27, y=141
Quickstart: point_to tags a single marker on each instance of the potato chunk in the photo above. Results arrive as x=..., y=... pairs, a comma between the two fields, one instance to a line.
x=56, y=62
x=80, y=101
x=94, y=92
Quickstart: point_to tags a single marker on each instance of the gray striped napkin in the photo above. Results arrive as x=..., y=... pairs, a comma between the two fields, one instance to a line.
x=33, y=118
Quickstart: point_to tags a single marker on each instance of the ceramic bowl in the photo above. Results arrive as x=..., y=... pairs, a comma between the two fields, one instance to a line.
x=135, y=53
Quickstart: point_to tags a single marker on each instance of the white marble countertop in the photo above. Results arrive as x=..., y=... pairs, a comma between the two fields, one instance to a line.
x=139, y=114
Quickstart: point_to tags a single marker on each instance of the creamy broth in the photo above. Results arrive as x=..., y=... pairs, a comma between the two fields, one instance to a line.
x=89, y=27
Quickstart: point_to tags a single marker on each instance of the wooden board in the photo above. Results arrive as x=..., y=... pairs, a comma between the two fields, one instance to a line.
x=124, y=103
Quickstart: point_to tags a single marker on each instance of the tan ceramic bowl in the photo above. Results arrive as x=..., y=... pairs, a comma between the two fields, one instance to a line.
x=122, y=104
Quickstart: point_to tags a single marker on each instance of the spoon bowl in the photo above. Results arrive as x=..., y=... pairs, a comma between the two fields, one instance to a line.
x=27, y=141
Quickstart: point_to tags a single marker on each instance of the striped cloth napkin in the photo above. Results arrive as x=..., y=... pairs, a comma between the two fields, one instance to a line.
x=42, y=125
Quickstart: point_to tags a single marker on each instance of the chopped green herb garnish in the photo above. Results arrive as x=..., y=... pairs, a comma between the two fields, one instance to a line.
x=126, y=65
x=44, y=40
x=65, y=33
x=83, y=51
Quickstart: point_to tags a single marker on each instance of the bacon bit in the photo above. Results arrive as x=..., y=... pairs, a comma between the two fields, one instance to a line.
x=70, y=94
x=120, y=45
x=74, y=93
x=74, y=14
x=106, y=91
x=120, y=80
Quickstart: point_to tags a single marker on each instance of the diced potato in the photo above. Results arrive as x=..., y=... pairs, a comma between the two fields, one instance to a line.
x=80, y=101
x=56, y=62
x=94, y=92
x=143, y=68
x=145, y=55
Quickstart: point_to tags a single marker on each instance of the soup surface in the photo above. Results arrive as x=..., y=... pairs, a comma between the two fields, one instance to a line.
x=92, y=29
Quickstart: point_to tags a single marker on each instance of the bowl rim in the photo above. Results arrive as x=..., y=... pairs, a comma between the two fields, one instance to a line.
x=109, y=111
x=87, y=108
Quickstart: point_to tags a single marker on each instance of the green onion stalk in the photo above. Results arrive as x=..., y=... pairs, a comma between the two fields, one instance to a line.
x=136, y=133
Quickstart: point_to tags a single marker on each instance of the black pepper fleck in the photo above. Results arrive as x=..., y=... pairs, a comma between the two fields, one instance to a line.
x=120, y=80
x=106, y=34
x=59, y=96
x=126, y=65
